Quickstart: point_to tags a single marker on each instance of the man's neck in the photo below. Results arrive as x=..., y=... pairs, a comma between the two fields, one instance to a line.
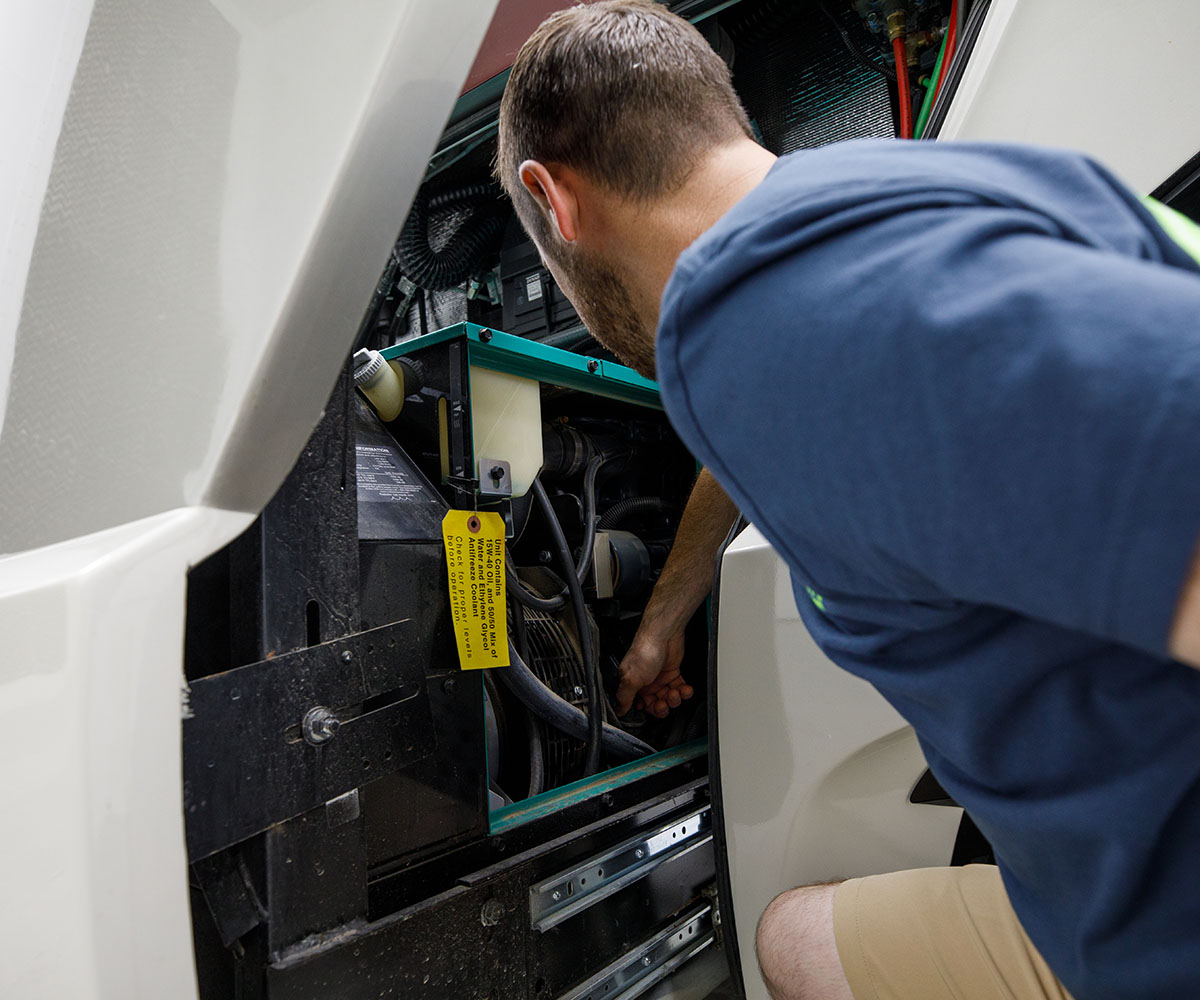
x=646, y=239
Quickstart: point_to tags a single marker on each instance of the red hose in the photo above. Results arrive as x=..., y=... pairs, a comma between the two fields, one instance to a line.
x=951, y=42
x=902, y=85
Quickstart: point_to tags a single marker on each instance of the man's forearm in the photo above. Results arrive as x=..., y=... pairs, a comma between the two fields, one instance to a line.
x=686, y=578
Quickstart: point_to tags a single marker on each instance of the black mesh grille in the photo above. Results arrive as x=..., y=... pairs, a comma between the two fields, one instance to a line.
x=555, y=659
x=799, y=83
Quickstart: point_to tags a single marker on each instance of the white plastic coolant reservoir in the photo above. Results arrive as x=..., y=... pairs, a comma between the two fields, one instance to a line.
x=506, y=424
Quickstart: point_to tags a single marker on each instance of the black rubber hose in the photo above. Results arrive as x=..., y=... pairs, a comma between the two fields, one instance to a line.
x=626, y=508
x=517, y=591
x=561, y=714
x=449, y=267
x=537, y=758
x=589, y=518
x=591, y=672
x=533, y=726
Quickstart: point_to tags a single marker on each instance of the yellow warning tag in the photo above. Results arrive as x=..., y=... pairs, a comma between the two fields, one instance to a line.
x=475, y=559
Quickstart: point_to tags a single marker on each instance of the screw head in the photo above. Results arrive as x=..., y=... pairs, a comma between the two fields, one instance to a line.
x=556, y=895
x=578, y=690
x=593, y=366
x=347, y=656
x=639, y=853
x=544, y=556
x=497, y=473
x=485, y=335
x=645, y=960
x=491, y=913
x=449, y=684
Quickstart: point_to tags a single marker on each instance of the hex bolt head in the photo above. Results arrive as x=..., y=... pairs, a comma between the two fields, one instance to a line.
x=347, y=656
x=544, y=556
x=556, y=895
x=578, y=691
x=646, y=960
x=485, y=335
x=491, y=913
x=449, y=684
x=593, y=366
x=639, y=853
x=497, y=473
x=319, y=725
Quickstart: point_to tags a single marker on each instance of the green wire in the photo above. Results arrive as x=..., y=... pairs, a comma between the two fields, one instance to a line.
x=927, y=104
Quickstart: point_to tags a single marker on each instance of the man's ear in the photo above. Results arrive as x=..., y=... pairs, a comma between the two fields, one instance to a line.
x=553, y=191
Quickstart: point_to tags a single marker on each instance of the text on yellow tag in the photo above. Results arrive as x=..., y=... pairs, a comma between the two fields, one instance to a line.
x=475, y=560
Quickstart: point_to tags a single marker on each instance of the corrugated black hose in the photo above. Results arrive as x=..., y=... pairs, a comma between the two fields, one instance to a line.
x=477, y=236
x=630, y=506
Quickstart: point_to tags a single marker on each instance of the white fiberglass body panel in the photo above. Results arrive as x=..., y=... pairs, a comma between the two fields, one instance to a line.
x=221, y=185
x=197, y=199
x=91, y=851
x=1118, y=81
x=816, y=767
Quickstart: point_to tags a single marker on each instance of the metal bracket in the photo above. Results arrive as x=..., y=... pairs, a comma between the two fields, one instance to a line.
x=271, y=740
x=567, y=893
x=495, y=478
x=650, y=962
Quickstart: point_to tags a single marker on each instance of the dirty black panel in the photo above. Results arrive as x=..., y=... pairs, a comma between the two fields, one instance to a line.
x=306, y=560
x=443, y=798
x=316, y=872
x=229, y=892
x=475, y=939
x=395, y=500
x=246, y=762
x=439, y=950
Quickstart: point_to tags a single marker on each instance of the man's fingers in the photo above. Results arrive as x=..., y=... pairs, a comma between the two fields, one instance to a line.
x=625, y=695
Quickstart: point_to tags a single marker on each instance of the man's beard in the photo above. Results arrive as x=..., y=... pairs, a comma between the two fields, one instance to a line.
x=606, y=308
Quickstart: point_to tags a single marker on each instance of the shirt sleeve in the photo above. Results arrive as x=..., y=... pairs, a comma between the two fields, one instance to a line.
x=951, y=402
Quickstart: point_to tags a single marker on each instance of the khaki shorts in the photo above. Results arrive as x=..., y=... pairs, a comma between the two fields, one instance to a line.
x=937, y=934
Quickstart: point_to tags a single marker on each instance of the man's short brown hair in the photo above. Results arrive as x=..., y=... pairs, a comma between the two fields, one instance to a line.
x=623, y=91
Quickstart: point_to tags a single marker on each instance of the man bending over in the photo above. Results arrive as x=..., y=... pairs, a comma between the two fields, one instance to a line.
x=958, y=389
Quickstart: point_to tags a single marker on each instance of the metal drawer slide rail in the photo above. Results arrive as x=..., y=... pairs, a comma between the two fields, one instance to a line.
x=651, y=961
x=567, y=893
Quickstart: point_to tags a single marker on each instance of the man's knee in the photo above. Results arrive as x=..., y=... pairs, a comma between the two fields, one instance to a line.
x=796, y=949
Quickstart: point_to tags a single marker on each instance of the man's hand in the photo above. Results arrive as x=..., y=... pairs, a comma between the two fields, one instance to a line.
x=650, y=674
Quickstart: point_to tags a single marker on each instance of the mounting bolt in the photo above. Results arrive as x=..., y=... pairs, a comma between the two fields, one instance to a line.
x=347, y=656
x=593, y=366
x=639, y=853
x=319, y=725
x=646, y=960
x=491, y=913
x=449, y=684
x=556, y=895
x=497, y=473
x=544, y=556
x=578, y=691
x=485, y=335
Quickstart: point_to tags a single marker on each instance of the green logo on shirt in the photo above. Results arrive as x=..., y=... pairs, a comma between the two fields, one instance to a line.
x=817, y=599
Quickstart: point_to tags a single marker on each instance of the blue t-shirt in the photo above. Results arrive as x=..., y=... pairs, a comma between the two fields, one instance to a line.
x=957, y=387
